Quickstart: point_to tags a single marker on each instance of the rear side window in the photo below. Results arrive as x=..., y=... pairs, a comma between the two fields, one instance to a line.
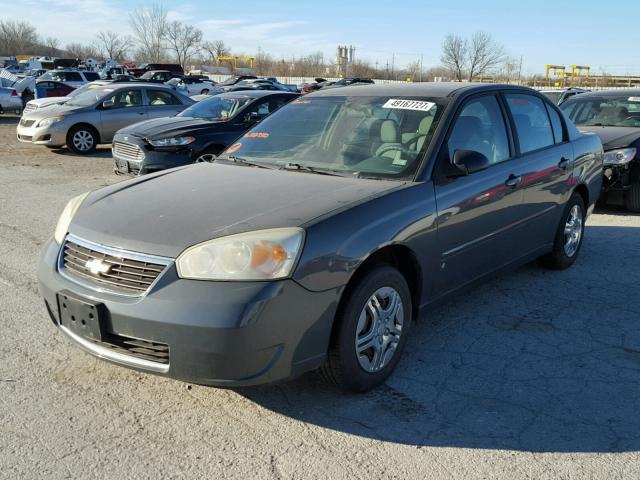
x=556, y=124
x=72, y=77
x=480, y=127
x=161, y=97
x=91, y=76
x=532, y=122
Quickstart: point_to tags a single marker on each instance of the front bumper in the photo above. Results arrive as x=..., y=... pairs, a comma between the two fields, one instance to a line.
x=54, y=135
x=218, y=333
x=153, y=161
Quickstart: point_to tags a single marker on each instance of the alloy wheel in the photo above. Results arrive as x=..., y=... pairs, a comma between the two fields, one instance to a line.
x=573, y=231
x=379, y=329
x=206, y=157
x=83, y=140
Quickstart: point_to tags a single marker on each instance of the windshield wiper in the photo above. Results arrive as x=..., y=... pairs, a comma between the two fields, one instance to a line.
x=304, y=168
x=242, y=161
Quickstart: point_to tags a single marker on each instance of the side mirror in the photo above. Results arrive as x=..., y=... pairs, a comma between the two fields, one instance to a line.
x=108, y=104
x=466, y=162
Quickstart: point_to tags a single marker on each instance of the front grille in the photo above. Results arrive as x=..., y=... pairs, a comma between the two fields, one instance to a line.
x=145, y=349
x=124, y=273
x=128, y=151
x=29, y=108
x=26, y=123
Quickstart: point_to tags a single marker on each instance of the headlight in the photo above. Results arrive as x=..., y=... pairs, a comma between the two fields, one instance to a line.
x=45, y=122
x=172, y=141
x=619, y=157
x=259, y=255
x=67, y=215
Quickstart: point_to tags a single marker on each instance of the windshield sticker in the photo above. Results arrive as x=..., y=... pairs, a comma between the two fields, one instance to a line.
x=257, y=135
x=299, y=101
x=234, y=148
x=633, y=99
x=409, y=104
x=399, y=161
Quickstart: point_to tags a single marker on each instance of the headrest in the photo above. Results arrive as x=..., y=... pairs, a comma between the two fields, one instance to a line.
x=425, y=125
x=389, y=131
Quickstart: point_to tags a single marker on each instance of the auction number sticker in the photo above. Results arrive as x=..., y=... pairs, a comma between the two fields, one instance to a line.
x=256, y=135
x=234, y=148
x=633, y=99
x=401, y=104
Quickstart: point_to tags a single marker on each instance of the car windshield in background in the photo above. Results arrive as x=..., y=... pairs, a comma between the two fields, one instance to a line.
x=352, y=135
x=217, y=109
x=88, y=98
x=553, y=96
x=606, y=111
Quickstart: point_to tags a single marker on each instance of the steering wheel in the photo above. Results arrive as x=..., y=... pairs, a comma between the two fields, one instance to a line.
x=389, y=148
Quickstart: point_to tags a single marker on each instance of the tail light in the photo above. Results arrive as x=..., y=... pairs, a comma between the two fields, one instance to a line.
x=14, y=93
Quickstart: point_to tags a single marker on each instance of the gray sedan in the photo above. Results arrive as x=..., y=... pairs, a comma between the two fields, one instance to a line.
x=319, y=236
x=92, y=117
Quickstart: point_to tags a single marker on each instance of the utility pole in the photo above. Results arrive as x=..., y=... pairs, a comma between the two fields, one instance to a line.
x=421, y=58
x=520, y=72
x=393, y=65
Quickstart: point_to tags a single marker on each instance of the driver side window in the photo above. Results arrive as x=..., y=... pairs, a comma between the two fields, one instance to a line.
x=480, y=127
x=127, y=99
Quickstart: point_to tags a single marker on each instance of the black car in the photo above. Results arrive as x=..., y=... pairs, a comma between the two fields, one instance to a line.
x=613, y=115
x=320, y=236
x=197, y=134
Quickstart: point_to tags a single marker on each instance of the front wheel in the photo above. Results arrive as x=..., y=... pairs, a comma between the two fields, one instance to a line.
x=82, y=139
x=205, y=91
x=569, y=235
x=370, y=330
x=632, y=198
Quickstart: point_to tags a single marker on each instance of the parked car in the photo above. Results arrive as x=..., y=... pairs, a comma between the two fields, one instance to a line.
x=319, y=236
x=92, y=117
x=197, y=134
x=560, y=95
x=235, y=79
x=74, y=78
x=51, y=88
x=613, y=115
x=196, y=85
x=175, y=69
x=10, y=100
x=159, y=76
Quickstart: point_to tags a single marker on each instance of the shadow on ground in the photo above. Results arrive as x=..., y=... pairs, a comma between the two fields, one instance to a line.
x=534, y=360
x=9, y=119
x=100, y=152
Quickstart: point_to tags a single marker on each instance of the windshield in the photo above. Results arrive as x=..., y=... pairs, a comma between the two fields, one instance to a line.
x=607, y=111
x=88, y=97
x=218, y=109
x=378, y=137
x=553, y=96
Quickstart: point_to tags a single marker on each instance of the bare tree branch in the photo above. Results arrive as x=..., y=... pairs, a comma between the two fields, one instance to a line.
x=184, y=40
x=17, y=37
x=454, y=55
x=113, y=45
x=149, y=27
x=484, y=54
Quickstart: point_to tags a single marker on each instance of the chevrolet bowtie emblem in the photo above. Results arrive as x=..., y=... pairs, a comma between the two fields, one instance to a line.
x=97, y=266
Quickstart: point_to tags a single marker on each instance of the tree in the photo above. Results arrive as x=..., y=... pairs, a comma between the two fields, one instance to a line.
x=484, y=54
x=149, y=27
x=183, y=39
x=454, y=55
x=78, y=50
x=52, y=44
x=113, y=45
x=215, y=49
x=17, y=37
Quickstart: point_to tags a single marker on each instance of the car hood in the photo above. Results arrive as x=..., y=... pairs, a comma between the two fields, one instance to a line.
x=163, y=127
x=55, y=109
x=45, y=102
x=614, y=137
x=164, y=213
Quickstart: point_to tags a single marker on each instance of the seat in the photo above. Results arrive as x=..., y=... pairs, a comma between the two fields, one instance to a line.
x=420, y=137
x=389, y=136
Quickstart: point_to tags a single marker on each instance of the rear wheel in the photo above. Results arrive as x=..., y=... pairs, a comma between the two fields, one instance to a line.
x=82, y=139
x=370, y=330
x=205, y=91
x=632, y=198
x=569, y=235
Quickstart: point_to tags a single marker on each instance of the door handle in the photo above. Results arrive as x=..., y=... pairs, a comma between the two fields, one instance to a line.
x=564, y=163
x=513, y=181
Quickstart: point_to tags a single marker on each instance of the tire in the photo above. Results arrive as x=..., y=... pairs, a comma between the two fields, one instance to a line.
x=357, y=368
x=82, y=139
x=569, y=236
x=632, y=198
x=205, y=91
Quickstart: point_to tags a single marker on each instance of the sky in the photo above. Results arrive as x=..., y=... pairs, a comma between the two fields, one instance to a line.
x=542, y=32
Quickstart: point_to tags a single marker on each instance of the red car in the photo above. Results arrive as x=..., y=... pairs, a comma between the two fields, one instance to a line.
x=52, y=88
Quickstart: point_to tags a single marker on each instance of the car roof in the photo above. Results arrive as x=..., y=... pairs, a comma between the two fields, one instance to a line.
x=422, y=89
x=623, y=92
x=251, y=93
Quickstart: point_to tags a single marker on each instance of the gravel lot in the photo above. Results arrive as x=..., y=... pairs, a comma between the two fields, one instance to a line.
x=534, y=375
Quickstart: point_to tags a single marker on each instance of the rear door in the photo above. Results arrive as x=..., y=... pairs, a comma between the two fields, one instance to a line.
x=547, y=157
x=479, y=214
x=128, y=108
x=163, y=103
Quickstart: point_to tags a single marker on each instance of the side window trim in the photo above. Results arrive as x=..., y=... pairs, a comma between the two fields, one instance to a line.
x=563, y=126
x=515, y=131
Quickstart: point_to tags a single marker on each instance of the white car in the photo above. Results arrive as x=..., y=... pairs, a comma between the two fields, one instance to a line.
x=196, y=85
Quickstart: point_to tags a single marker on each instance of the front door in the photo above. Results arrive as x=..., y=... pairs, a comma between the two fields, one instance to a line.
x=478, y=214
x=127, y=108
x=163, y=103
